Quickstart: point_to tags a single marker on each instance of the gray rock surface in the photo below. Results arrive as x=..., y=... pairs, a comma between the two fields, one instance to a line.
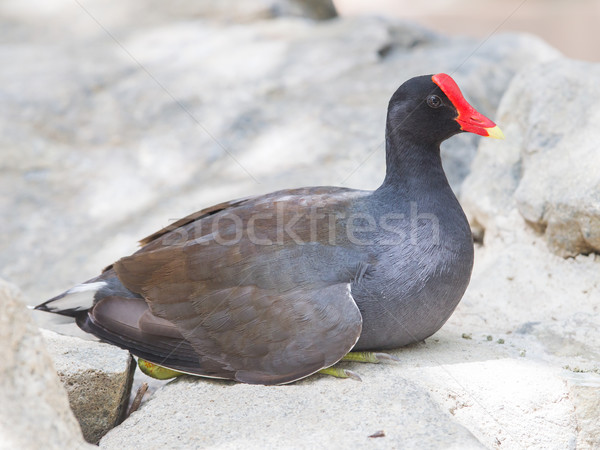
x=548, y=166
x=35, y=411
x=584, y=389
x=503, y=399
x=117, y=16
x=97, y=378
x=315, y=413
x=236, y=10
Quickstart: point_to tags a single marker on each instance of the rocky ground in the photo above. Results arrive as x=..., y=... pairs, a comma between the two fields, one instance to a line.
x=116, y=119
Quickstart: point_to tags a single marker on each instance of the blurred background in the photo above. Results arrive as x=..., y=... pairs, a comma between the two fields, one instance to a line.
x=569, y=25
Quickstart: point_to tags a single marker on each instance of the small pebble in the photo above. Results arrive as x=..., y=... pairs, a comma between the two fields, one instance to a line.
x=500, y=341
x=467, y=336
x=378, y=434
x=489, y=338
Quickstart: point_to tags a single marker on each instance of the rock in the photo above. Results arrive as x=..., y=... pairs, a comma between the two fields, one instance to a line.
x=314, y=9
x=35, y=411
x=518, y=192
x=439, y=389
x=97, y=378
x=584, y=390
x=546, y=169
x=242, y=11
x=486, y=386
x=119, y=15
x=318, y=412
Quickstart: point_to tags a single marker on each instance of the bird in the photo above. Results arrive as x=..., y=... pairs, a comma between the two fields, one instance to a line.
x=273, y=288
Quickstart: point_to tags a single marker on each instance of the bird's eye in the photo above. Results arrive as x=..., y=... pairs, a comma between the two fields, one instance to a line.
x=434, y=101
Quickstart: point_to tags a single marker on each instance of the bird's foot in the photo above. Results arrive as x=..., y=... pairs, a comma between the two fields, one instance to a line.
x=369, y=357
x=340, y=373
x=156, y=371
x=364, y=357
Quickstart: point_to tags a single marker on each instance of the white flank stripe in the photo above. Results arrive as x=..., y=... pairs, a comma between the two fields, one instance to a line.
x=86, y=287
x=79, y=298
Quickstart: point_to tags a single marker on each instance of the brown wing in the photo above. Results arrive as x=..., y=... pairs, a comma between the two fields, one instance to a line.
x=242, y=334
x=192, y=218
x=224, y=206
x=258, y=302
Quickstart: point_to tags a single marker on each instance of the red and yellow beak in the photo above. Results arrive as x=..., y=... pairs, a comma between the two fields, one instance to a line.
x=468, y=118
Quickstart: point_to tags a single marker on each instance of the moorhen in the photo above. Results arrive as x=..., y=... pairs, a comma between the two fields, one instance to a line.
x=273, y=288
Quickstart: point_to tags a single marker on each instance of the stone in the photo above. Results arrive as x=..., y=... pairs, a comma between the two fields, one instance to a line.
x=546, y=169
x=314, y=9
x=517, y=193
x=503, y=399
x=439, y=389
x=243, y=10
x=57, y=13
x=317, y=412
x=584, y=390
x=97, y=378
x=35, y=411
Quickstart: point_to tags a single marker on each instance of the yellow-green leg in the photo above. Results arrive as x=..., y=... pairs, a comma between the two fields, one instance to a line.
x=369, y=357
x=163, y=373
x=156, y=371
x=363, y=357
x=340, y=373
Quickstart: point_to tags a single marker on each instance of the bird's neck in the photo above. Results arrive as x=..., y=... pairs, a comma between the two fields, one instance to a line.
x=413, y=165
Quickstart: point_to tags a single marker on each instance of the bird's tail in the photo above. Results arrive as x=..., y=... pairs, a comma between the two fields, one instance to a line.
x=79, y=299
x=74, y=301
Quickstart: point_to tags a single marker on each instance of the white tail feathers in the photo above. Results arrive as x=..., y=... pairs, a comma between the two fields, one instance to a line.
x=78, y=298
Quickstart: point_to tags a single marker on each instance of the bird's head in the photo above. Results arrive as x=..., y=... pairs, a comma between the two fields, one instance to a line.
x=431, y=108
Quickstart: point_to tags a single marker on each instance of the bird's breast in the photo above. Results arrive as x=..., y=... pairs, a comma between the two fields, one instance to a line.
x=415, y=284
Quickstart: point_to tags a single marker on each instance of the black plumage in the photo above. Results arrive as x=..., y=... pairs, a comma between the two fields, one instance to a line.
x=271, y=289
